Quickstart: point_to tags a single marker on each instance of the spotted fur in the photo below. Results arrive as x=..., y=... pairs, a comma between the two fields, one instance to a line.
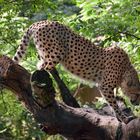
x=109, y=67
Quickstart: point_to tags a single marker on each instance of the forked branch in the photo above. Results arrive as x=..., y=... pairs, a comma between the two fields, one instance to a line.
x=73, y=123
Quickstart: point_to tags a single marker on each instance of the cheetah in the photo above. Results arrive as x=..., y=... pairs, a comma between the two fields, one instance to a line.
x=109, y=67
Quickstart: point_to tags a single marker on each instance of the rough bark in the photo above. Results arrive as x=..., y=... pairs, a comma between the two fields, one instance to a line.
x=38, y=95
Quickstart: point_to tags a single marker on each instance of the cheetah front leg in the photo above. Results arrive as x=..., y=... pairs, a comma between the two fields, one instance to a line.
x=108, y=93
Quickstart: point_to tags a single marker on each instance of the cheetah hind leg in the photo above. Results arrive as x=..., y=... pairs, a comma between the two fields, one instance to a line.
x=41, y=65
x=109, y=96
x=45, y=65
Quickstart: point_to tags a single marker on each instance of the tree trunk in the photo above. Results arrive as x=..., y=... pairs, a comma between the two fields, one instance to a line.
x=37, y=93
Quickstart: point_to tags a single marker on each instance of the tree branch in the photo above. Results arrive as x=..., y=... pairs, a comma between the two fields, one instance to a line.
x=65, y=92
x=59, y=118
x=129, y=34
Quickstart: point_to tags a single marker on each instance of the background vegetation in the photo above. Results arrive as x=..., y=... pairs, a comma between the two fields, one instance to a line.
x=111, y=20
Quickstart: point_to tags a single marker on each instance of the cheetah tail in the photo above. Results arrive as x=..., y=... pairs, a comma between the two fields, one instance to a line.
x=23, y=46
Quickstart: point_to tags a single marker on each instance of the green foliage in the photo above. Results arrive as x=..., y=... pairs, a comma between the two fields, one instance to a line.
x=113, y=20
x=15, y=122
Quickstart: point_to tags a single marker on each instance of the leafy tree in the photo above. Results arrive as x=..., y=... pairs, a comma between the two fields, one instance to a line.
x=112, y=21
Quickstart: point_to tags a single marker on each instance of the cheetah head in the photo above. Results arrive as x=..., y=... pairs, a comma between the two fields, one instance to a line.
x=131, y=85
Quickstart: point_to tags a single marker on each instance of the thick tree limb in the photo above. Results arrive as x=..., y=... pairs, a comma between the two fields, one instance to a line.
x=59, y=118
x=65, y=92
